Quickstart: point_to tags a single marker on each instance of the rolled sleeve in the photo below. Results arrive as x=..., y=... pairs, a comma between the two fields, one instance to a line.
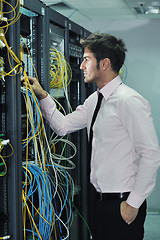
x=60, y=123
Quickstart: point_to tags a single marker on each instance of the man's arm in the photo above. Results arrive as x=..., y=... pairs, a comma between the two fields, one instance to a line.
x=61, y=124
x=138, y=121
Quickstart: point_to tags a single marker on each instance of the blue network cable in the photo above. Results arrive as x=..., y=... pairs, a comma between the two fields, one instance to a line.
x=45, y=198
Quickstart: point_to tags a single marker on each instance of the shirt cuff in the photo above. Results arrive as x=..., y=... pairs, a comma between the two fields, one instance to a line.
x=134, y=200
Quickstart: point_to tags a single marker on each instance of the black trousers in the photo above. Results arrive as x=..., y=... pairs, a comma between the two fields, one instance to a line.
x=106, y=222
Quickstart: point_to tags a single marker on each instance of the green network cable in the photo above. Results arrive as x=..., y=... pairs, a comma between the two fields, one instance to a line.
x=90, y=234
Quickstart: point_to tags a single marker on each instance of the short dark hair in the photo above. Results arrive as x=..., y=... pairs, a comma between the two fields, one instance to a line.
x=106, y=46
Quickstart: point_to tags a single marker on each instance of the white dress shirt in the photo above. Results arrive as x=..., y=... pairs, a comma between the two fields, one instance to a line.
x=125, y=149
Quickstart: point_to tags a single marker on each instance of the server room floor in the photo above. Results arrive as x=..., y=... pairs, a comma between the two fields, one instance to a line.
x=152, y=227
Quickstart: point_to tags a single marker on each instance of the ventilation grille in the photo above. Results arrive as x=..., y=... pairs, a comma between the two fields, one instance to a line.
x=61, y=6
x=138, y=10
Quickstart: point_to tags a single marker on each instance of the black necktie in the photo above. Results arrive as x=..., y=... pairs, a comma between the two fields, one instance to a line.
x=100, y=96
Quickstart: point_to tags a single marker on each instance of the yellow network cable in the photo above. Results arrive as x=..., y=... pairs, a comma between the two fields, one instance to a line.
x=19, y=65
x=29, y=116
x=30, y=215
x=16, y=11
x=39, y=140
x=36, y=208
x=34, y=137
x=27, y=139
x=38, y=137
x=30, y=174
x=1, y=10
x=60, y=70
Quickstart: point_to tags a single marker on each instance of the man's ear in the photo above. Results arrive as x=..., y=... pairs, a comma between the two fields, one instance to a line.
x=106, y=63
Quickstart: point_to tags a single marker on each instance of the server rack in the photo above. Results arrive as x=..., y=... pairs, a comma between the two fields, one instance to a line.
x=40, y=39
x=36, y=63
x=10, y=120
x=74, y=33
x=56, y=39
x=59, y=30
x=77, y=93
x=43, y=21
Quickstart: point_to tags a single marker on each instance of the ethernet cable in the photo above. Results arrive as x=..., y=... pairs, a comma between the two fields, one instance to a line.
x=4, y=142
x=31, y=168
x=44, y=206
x=60, y=73
x=26, y=181
x=60, y=70
x=59, y=185
x=61, y=181
x=35, y=115
x=11, y=55
x=15, y=11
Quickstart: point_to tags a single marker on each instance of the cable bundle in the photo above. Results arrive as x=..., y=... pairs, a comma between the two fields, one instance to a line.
x=52, y=181
x=34, y=115
x=48, y=188
x=13, y=11
x=38, y=202
x=60, y=74
x=60, y=70
x=49, y=175
x=18, y=64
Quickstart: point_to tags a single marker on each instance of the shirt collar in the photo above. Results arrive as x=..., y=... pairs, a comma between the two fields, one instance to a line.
x=109, y=88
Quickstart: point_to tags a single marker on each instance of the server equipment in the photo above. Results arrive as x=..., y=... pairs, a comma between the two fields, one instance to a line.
x=41, y=180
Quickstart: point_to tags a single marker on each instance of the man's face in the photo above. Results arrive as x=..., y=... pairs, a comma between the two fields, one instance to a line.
x=89, y=67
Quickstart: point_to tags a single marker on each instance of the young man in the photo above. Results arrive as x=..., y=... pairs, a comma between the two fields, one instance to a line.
x=125, y=152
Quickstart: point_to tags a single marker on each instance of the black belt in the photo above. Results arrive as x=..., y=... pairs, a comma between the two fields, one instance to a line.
x=112, y=196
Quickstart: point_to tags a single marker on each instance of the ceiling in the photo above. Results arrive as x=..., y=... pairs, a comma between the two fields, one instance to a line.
x=95, y=14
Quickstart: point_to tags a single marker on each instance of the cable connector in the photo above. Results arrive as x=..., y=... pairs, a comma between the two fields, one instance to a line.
x=5, y=142
x=3, y=18
x=2, y=143
x=2, y=44
x=6, y=237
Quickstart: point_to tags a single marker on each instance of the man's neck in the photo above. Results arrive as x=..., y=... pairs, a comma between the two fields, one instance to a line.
x=106, y=80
